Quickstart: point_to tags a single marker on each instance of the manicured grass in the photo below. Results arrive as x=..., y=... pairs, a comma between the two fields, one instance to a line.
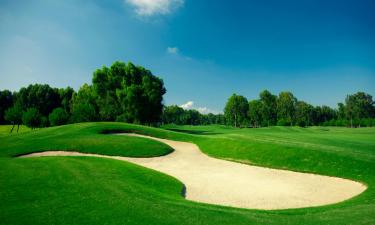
x=5, y=130
x=85, y=138
x=83, y=190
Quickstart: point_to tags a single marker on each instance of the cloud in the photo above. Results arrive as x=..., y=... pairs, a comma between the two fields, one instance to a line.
x=155, y=7
x=204, y=110
x=172, y=50
x=187, y=105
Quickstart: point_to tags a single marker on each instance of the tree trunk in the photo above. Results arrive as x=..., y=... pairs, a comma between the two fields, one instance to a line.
x=11, y=131
x=18, y=127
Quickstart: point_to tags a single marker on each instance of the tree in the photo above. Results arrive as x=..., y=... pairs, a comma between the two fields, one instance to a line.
x=304, y=114
x=268, y=107
x=42, y=97
x=32, y=118
x=286, y=107
x=84, y=105
x=14, y=116
x=6, y=101
x=130, y=91
x=66, y=97
x=255, y=112
x=58, y=117
x=236, y=110
x=173, y=115
x=358, y=106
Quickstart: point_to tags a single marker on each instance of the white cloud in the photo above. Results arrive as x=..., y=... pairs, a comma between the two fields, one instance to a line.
x=204, y=110
x=172, y=50
x=155, y=7
x=187, y=105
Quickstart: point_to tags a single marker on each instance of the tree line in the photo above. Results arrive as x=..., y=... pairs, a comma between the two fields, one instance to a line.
x=174, y=114
x=123, y=92
x=358, y=110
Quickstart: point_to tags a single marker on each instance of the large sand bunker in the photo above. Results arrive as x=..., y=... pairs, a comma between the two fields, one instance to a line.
x=221, y=182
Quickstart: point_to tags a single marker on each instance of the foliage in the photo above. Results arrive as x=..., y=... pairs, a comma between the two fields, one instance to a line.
x=14, y=116
x=41, y=97
x=236, y=110
x=255, y=113
x=6, y=101
x=130, y=91
x=58, y=117
x=32, y=118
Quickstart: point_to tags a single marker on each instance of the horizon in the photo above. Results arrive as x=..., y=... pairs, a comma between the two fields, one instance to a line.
x=320, y=51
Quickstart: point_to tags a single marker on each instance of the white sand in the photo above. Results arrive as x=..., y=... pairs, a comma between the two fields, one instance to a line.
x=221, y=182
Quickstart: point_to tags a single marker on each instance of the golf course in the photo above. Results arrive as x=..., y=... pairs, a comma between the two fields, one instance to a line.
x=187, y=112
x=86, y=189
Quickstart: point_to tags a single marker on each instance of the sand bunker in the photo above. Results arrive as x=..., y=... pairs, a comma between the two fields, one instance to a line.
x=221, y=182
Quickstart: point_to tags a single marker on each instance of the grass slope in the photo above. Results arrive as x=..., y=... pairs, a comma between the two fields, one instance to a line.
x=82, y=190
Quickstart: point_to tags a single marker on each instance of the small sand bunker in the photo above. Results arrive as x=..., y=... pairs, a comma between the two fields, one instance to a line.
x=226, y=183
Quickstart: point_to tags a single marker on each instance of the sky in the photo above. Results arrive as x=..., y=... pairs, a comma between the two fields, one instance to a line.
x=320, y=50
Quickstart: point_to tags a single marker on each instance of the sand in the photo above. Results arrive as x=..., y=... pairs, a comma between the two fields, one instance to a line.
x=221, y=182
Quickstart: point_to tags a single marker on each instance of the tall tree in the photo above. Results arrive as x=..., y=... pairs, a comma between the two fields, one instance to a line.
x=358, y=106
x=38, y=96
x=304, y=114
x=268, y=107
x=84, y=108
x=286, y=107
x=66, y=97
x=236, y=110
x=130, y=91
x=255, y=112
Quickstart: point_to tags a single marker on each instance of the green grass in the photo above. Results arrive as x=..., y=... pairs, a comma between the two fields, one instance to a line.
x=83, y=190
x=5, y=130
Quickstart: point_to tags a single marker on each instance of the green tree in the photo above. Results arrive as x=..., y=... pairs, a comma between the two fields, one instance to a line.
x=66, y=97
x=359, y=106
x=14, y=116
x=304, y=114
x=6, y=101
x=236, y=110
x=130, y=91
x=58, y=117
x=255, y=112
x=84, y=108
x=286, y=107
x=173, y=115
x=268, y=108
x=42, y=97
x=32, y=118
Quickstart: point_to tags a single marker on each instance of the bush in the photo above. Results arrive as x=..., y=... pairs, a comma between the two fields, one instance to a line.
x=58, y=117
x=32, y=118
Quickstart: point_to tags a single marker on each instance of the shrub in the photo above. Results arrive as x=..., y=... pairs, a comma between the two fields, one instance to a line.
x=32, y=118
x=58, y=117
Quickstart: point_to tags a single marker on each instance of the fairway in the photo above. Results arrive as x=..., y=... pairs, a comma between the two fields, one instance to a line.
x=89, y=190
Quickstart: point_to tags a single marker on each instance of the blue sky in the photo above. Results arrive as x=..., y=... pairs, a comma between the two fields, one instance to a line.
x=204, y=50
